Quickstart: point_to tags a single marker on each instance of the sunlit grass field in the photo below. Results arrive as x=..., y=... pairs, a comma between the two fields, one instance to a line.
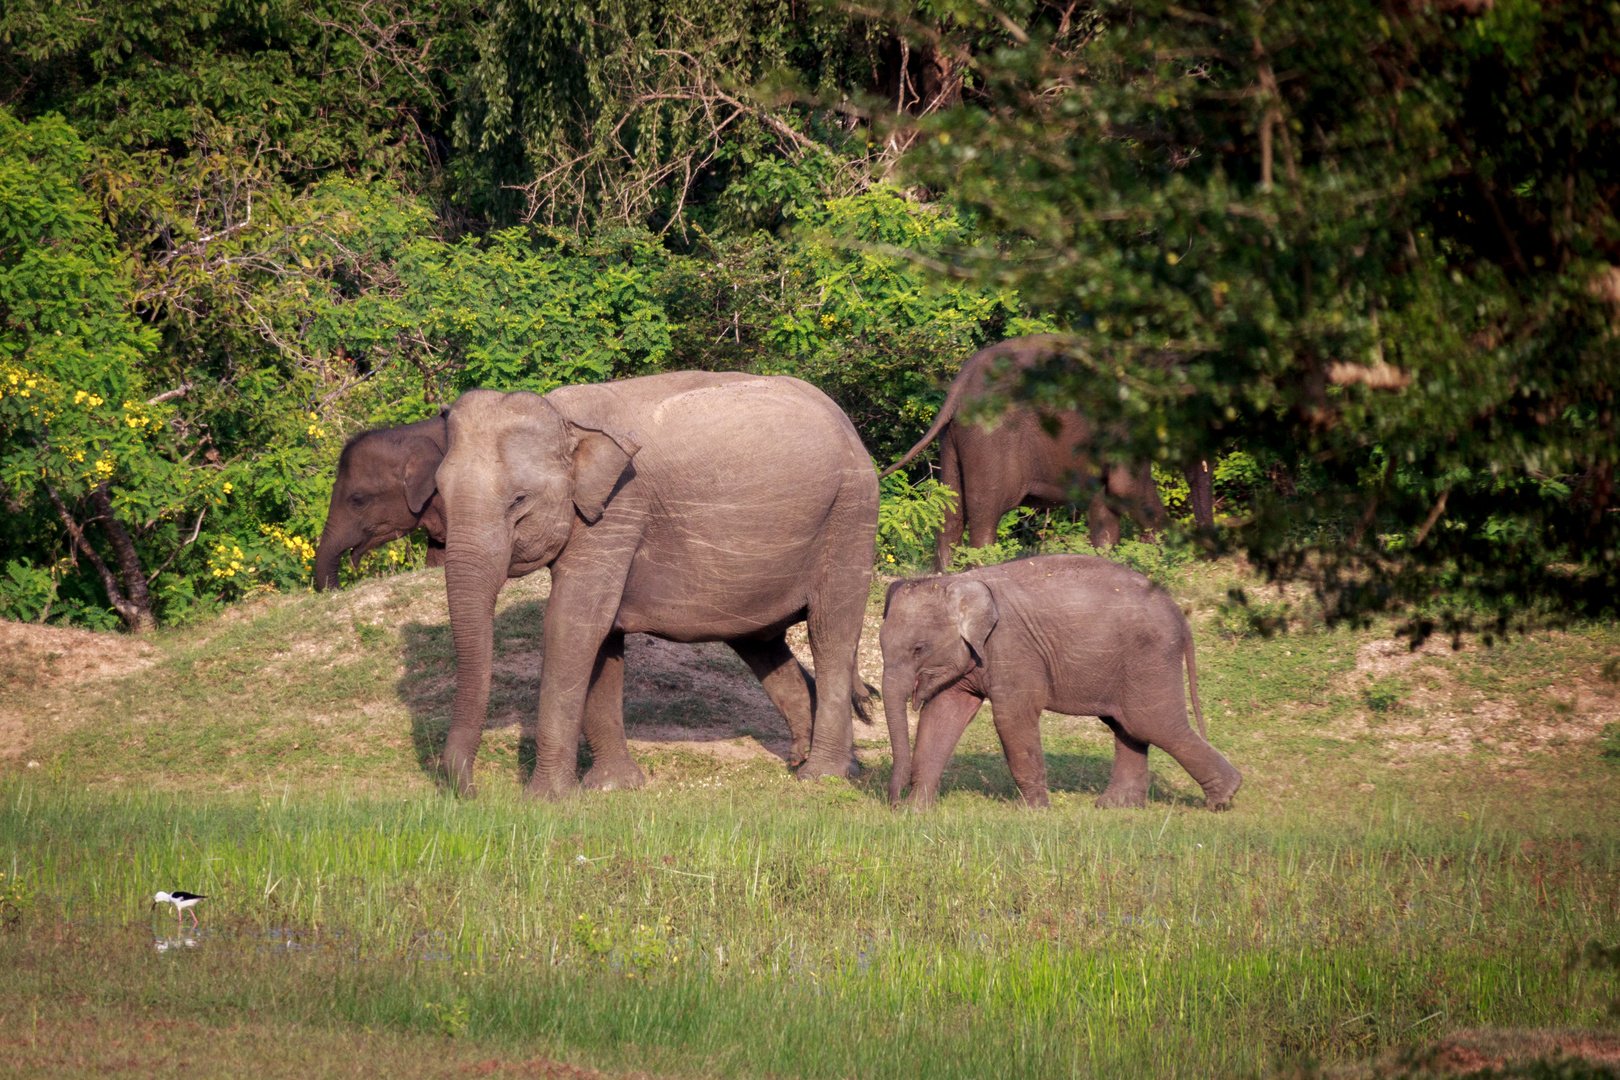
x=1425, y=842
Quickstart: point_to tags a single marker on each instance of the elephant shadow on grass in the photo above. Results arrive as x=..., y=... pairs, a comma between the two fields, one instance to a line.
x=674, y=694
x=978, y=766
x=1076, y=772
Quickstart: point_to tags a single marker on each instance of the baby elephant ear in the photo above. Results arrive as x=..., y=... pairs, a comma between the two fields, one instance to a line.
x=422, y=457
x=975, y=611
x=601, y=456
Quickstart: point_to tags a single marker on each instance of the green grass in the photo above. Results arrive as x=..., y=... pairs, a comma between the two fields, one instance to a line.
x=809, y=932
x=1412, y=854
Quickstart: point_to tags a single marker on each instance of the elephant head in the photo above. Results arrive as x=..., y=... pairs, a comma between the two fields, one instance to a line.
x=384, y=489
x=518, y=479
x=934, y=632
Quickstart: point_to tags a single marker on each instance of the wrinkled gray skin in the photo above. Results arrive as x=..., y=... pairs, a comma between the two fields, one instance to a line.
x=689, y=505
x=1017, y=463
x=384, y=489
x=1071, y=633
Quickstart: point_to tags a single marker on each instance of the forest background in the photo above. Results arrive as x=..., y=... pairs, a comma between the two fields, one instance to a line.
x=1363, y=255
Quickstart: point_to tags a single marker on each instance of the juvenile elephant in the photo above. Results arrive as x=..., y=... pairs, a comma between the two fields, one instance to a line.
x=689, y=505
x=384, y=489
x=1071, y=633
x=1018, y=463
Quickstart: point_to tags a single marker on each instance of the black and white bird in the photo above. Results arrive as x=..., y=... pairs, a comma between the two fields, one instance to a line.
x=183, y=902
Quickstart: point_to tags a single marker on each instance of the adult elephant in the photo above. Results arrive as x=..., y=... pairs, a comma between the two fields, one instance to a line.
x=1019, y=463
x=692, y=506
x=384, y=489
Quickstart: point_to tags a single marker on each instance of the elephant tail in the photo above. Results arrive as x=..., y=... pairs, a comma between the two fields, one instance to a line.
x=953, y=401
x=1192, y=680
x=861, y=698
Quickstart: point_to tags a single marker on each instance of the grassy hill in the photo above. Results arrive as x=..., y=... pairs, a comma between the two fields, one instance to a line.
x=1424, y=854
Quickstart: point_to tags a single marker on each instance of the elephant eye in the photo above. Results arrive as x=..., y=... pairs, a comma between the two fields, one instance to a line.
x=358, y=499
x=919, y=648
x=518, y=501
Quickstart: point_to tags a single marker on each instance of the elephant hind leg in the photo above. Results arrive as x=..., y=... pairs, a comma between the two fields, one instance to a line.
x=834, y=617
x=612, y=767
x=1218, y=777
x=1128, y=783
x=787, y=684
x=1103, y=523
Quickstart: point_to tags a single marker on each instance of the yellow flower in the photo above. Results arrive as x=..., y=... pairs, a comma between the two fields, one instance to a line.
x=78, y=398
x=227, y=488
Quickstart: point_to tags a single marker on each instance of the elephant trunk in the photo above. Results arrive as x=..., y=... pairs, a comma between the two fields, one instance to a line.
x=336, y=538
x=896, y=689
x=475, y=570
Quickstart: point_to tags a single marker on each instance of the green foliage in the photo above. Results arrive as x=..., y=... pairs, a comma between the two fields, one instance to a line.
x=622, y=113
x=1384, y=695
x=1380, y=243
x=872, y=329
x=909, y=517
x=1609, y=741
x=513, y=310
x=1361, y=261
x=448, y=1020
x=355, y=86
x=1241, y=616
x=16, y=899
x=26, y=592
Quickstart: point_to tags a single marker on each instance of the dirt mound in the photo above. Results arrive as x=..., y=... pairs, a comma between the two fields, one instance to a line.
x=35, y=661
x=31, y=654
x=1500, y=1052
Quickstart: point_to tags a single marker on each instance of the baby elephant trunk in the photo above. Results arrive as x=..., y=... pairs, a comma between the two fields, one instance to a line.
x=896, y=689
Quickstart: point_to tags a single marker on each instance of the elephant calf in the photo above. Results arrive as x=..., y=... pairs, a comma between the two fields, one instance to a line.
x=1071, y=633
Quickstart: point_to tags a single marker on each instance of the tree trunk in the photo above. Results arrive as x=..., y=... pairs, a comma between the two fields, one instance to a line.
x=134, y=603
x=136, y=594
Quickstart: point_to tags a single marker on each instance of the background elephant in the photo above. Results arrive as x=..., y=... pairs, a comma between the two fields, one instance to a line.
x=1072, y=633
x=692, y=506
x=1017, y=463
x=384, y=489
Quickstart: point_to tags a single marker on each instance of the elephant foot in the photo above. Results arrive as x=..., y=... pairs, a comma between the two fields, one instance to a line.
x=1036, y=800
x=623, y=775
x=1218, y=796
x=551, y=789
x=798, y=755
x=458, y=777
x=822, y=770
x=1114, y=798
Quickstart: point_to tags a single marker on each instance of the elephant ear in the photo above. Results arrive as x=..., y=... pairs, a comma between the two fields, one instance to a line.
x=601, y=455
x=975, y=610
x=422, y=457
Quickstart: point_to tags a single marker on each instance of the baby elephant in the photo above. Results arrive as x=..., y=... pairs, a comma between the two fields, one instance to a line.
x=1070, y=633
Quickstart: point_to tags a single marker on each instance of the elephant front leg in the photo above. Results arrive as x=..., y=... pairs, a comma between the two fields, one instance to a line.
x=1128, y=784
x=788, y=686
x=579, y=618
x=939, y=728
x=612, y=767
x=1018, y=725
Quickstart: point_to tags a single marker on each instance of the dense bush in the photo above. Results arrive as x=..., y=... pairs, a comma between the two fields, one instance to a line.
x=1362, y=261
